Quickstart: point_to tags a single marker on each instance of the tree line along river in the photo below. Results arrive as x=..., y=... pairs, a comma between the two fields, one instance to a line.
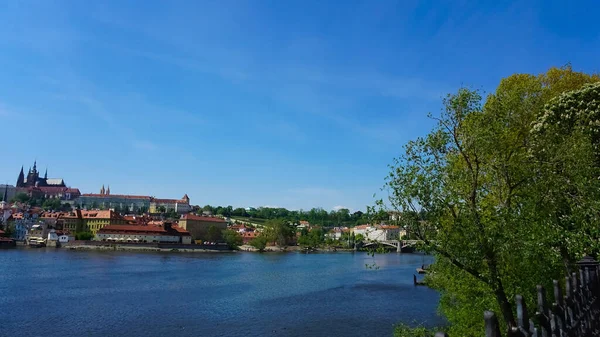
x=55, y=292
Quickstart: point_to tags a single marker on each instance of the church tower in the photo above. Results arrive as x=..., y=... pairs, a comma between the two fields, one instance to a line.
x=21, y=179
x=33, y=175
x=108, y=190
x=102, y=190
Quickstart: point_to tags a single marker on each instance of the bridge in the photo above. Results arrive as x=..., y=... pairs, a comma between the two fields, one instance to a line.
x=398, y=244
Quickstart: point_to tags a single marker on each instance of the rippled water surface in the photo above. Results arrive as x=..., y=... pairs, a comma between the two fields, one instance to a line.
x=55, y=292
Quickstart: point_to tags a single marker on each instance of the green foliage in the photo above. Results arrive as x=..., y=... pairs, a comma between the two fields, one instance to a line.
x=214, y=234
x=279, y=231
x=315, y=216
x=84, y=236
x=171, y=214
x=314, y=238
x=233, y=239
x=259, y=243
x=51, y=204
x=9, y=230
x=403, y=330
x=502, y=205
x=239, y=212
x=20, y=197
x=566, y=148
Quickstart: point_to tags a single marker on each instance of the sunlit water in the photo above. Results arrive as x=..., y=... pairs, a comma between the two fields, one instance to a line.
x=55, y=292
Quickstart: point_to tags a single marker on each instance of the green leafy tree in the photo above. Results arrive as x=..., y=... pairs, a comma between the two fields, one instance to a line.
x=233, y=239
x=470, y=190
x=566, y=149
x=260, y=243
x=214, y=234
x=208, y=208
x=171, y=214
x=84, y=236
x=279, y=231
x=20, y=197
x=9, y=230
x=51, y=204
x=314, y=238
x=239, y=212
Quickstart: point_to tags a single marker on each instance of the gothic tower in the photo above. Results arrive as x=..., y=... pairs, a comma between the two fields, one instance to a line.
x=21, y=179
x=33, y=175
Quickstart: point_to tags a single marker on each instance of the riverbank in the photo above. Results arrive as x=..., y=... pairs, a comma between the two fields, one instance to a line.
x=248, y=248
x=187, y=248
x=147, y=247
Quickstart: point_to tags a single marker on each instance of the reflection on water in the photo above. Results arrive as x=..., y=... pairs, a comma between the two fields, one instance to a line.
x=66, y=293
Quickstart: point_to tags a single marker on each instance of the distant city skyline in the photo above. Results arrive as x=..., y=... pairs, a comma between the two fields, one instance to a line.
x=294, y=104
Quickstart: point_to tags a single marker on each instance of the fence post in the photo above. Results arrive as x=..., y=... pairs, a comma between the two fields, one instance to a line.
x=491, y=324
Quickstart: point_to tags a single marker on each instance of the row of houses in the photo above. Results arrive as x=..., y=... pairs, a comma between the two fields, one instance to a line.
x=28, y=222
x=380, y=232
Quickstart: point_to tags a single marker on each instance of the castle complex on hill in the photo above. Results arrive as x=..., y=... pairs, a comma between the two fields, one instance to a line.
x=36, y=186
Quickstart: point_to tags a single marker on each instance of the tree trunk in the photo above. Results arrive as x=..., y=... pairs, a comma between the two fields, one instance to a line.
x=503, y=302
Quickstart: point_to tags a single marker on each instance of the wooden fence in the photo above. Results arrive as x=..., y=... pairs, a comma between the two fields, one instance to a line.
x=574, y=314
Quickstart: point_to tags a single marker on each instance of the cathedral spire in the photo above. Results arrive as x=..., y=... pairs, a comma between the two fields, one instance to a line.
x=46, y=174
x=102, y=190
x=35, y=165
x=108, y=190
x=5, y=193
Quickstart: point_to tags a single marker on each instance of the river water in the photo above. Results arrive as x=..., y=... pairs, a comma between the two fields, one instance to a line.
x=56, y=292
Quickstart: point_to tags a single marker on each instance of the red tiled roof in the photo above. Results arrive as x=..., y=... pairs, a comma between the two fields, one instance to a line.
x=96, y=214
x=47, y=215
x=195, y=217
x=180, y=230
x=123, y=196
x=169, y=201
x=362, y=227
x=131, y=229
x=58, y=189
x=388, y=227
x=17, y=215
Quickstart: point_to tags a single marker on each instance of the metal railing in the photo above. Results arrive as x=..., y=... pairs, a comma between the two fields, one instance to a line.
x=574, y=314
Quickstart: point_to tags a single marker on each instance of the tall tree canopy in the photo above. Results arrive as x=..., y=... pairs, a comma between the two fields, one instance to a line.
x=476, y=190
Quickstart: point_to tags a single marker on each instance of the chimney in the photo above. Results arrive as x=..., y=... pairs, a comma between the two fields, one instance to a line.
x=168, y=226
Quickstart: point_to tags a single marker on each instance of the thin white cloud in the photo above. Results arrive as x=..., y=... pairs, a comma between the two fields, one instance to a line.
x=337, y=208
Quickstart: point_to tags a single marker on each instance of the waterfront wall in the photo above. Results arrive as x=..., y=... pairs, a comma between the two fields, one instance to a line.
x=100, y=245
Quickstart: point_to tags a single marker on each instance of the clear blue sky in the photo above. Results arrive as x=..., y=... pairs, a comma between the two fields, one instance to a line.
x=296, y=104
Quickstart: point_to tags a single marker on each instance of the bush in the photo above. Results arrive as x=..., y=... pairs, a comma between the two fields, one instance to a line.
x=403, y=330
x=84, y=236
x=233, y=239
x=259, y=243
